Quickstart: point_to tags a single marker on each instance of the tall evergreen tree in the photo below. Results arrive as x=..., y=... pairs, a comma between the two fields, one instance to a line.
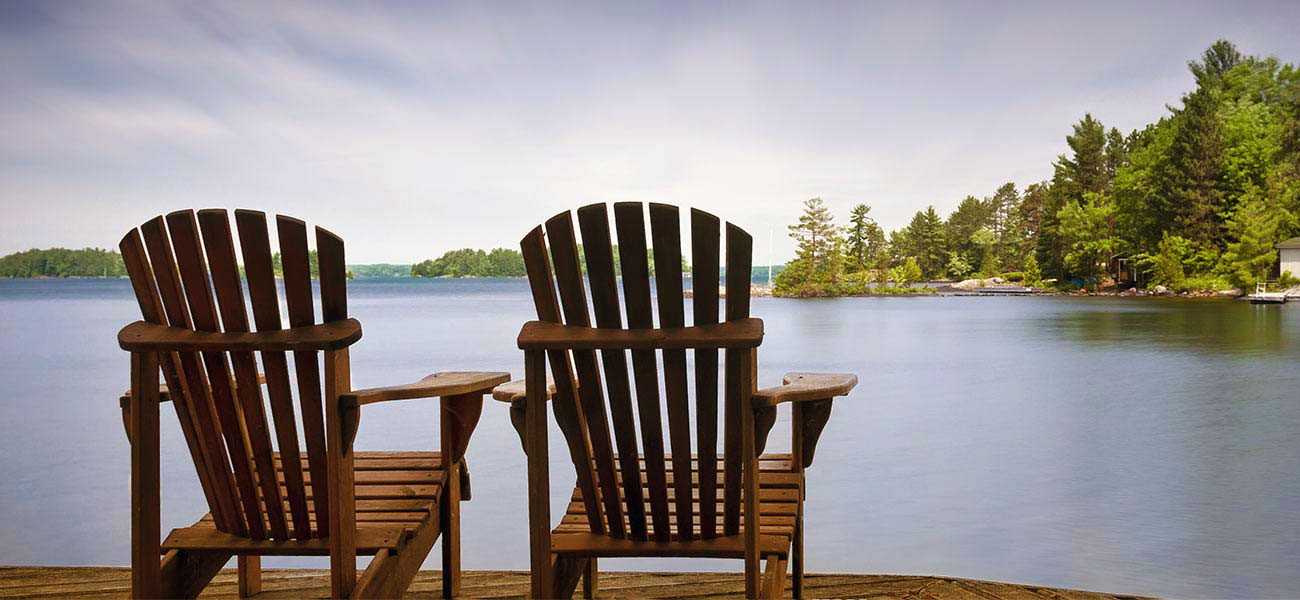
x=1028, y=222
x=1004, y=205
x=1085, y=169
x=857, y=243
x=1196, y=200
x=925, y=234
x=1083, y=172
x=1217, y=60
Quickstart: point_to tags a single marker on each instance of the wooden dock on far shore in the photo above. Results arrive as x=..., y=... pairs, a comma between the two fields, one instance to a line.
x=115, y=582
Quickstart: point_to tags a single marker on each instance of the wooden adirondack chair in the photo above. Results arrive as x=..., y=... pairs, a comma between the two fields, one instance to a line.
x=635, y=500
x=324, y=500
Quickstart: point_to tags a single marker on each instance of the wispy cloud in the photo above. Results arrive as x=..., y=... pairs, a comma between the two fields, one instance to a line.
x=415, y=128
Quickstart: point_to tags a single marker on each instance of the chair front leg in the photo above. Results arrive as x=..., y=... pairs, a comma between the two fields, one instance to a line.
x=539, y=482
x=250, y=575
x=146, y=564
x=342, y=493
x=749, y=456
x=458, y=416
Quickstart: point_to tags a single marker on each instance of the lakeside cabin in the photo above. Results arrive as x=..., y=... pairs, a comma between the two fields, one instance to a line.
x=1288, y=253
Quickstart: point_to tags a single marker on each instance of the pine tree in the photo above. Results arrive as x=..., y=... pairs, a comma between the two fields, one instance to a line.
x=858, y=243
x=925, y=235
x=815, y=234
x=1217, y=60
x=1196, y=201
x=819, y=256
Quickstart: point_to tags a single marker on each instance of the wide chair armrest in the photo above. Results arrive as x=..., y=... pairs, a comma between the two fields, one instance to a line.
x=541, y=335
x=517, y=390
x=803, y=387
x=450, y=383
x=142, y=336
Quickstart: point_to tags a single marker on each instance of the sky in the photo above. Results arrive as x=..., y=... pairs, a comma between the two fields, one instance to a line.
x=414, y=128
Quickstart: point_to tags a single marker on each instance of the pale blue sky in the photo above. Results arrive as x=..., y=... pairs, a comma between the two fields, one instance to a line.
x=411, y=129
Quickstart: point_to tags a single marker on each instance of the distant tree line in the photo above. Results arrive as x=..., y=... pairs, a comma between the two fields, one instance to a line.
x=502, y=262
x=1196, y=200
x=62, y=262
x=380, y=270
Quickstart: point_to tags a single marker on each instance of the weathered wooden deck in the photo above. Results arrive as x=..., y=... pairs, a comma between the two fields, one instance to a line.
x=105, y=582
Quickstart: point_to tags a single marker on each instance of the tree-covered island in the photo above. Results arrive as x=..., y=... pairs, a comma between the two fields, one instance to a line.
x=1194, y=201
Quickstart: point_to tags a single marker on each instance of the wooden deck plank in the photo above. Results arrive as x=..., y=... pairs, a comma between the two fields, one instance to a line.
x=115, y=582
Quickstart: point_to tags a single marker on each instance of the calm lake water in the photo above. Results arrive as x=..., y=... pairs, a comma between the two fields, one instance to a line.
x=1129, y=445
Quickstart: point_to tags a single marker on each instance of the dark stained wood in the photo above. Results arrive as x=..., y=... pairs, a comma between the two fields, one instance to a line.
x=145, y=490
x=219, y=243
x=705, y=236
x=539, y=484
x=739, y=251
x=298, y=302
x=565, y=404
x=262, y=294
x=193, y=382
x=184, y=574
x=112, y=582
x=457, y=417
x=183, y=226
x=343, y=542
x=333, y=276
x=196, y=431
x=449, y=383
x=402, y=501
x=739, y=333
x=756, y=514
x=814, y=415
x=665, y=230
x=594, y=223
x=250, y=575
x=573, y=299
x=753, y=523
x=326, y=336
x=629, y=222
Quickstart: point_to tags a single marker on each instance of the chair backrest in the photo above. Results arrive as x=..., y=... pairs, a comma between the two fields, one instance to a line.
x=581, y=413
x=176, y=265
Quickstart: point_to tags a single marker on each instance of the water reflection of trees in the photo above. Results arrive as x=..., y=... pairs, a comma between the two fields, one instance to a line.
x=1178, y=324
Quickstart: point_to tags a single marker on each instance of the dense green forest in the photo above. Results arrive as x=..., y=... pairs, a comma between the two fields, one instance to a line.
x=62, y=262
x=468, y=262
x=1195, y=200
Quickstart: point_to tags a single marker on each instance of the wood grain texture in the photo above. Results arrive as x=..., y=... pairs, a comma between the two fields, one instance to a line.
x=801, y=387
x=594, y=222
x=565, y=405
x=739, y=333
x=219, y=244
x=296, y=270
x=265, y=300
x=143, y=336
x=447, y=383
x=113, y=583
x=629, y=223
x=705, y=259
x=189, y=283
x=665, y=230
x=190, y=260
x=591, y=396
